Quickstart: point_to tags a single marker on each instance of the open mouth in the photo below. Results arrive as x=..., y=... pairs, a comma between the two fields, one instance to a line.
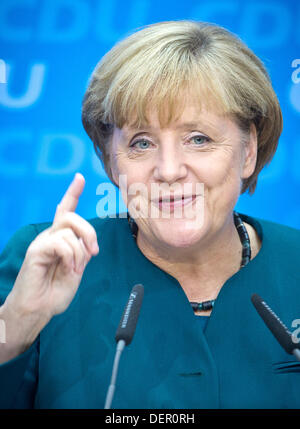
x=172, y=202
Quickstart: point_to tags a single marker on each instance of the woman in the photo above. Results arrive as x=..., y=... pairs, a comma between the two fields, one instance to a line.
x=186, y=113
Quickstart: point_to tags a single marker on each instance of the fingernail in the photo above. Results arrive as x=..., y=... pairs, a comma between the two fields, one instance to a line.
x=77, y=175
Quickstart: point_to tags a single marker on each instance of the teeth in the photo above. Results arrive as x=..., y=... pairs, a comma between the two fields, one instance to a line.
x=172, y=199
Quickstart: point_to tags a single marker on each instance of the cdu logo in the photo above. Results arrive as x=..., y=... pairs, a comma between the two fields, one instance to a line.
x=33, y=86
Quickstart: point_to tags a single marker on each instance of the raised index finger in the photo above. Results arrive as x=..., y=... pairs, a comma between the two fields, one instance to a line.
x=70, y=199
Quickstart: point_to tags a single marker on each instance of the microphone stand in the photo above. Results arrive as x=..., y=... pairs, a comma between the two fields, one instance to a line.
x=111, y=390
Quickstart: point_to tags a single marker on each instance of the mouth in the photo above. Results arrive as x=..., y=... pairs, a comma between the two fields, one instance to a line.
x=171, y=202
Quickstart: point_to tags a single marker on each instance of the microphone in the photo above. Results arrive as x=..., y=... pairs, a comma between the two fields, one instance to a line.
x=124, y=334
x=129, y=318
x=278, y=329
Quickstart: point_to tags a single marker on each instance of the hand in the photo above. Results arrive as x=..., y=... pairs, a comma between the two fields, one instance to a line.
x=55, y=262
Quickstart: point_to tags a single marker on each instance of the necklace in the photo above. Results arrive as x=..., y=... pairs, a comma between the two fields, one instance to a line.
x=246, y=256
x=246, y=253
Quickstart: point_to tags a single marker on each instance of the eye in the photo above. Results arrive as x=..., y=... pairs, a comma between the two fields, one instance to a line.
x=140, y=144
x=199, y=139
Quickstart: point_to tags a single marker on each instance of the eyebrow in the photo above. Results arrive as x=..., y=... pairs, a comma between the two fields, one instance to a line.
x=189, y=125
x=179, y=127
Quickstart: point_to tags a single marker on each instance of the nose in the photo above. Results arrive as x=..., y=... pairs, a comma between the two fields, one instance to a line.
x=170, y=166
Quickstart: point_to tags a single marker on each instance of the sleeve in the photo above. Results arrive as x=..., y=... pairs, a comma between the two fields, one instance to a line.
x=18, y=376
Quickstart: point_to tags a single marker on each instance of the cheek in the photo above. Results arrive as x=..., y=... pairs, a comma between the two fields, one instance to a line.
x=132, y=181
x=121, y=168
x=215, y=171
x=222, y=181
x=136, y=172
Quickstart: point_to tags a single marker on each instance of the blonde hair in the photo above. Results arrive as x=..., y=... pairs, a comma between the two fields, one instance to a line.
x=161, y=64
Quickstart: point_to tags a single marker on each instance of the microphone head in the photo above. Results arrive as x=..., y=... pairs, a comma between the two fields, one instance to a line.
x=278, y=329
x=130, y=315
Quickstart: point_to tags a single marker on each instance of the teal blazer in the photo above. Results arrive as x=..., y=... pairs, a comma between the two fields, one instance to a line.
x=172, y=362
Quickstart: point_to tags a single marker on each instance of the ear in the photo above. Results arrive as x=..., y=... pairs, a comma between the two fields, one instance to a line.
x=250, y=154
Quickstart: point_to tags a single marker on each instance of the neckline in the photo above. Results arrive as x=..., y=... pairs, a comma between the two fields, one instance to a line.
x=234, y=278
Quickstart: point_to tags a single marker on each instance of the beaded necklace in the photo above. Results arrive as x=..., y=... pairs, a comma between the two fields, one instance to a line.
x=246, y=254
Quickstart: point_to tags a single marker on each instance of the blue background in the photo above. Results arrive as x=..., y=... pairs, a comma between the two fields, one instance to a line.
x=49, y=49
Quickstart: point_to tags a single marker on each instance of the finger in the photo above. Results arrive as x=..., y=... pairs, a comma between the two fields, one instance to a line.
x=70, y=200
x=87, y=255
x=80, y=254
x=81, y=227
x=61, y=250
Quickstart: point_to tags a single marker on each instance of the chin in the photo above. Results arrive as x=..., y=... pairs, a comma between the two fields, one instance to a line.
x=180, y=233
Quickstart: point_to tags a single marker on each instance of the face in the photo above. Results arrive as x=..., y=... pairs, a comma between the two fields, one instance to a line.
x=183, y=181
